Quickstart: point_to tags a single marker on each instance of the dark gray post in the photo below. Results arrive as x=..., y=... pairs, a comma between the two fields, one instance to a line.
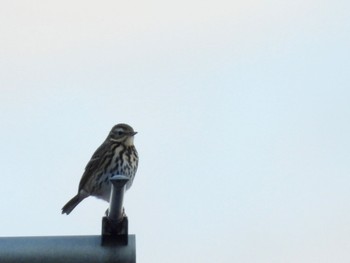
x=115, y=224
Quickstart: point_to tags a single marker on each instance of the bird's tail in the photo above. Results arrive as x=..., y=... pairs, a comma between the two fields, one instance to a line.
x=72, y=204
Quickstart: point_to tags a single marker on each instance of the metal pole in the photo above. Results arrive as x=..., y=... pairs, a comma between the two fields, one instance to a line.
x=115, y=224
x=115, y=212
x=65, y=249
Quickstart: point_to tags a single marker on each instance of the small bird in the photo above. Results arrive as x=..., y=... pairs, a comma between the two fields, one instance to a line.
x=117, y=155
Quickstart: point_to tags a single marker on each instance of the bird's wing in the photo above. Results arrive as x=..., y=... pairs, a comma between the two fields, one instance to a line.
x=93, y=164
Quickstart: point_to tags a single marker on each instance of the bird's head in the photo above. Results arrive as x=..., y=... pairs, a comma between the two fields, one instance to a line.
x=122, y=133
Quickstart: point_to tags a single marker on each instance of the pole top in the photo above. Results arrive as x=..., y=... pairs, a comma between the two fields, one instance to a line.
x=119, y=181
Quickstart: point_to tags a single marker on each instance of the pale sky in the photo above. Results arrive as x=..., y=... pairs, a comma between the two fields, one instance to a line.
x=242, y=110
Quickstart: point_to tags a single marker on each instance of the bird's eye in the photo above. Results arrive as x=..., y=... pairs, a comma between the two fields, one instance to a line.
x=119, y=132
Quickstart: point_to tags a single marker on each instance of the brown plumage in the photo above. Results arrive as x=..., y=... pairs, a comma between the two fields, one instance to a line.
x=116, y=155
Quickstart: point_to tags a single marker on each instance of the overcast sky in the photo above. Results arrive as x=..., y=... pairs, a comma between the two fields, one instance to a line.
x=242, y=109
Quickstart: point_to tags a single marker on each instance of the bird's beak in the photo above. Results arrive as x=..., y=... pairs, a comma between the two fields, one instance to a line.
x=133, y=133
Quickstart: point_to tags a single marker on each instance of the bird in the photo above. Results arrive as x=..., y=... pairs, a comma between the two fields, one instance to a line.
x=117, y=155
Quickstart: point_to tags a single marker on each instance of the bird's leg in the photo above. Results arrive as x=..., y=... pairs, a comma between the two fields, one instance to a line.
x=123, y=213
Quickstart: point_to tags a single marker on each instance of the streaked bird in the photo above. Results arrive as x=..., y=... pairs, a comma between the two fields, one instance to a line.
x=117, y=155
